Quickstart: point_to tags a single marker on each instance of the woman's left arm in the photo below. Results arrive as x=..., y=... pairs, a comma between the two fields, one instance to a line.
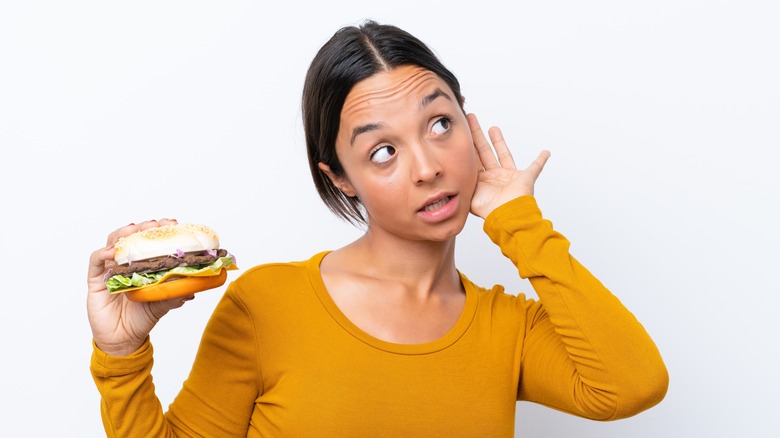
x=583, y=351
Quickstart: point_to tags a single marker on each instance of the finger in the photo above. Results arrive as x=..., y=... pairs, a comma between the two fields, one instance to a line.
x=133, y=228
x=160, y=308
x=121, y=232
x=97, y=261
x=145, y=225
x=100, y=262
x=502, y=150
x=484, y=150
x=536, y=167
x=165, y=221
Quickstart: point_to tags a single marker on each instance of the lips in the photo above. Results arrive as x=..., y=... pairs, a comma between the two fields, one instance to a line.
x=441, y=202
x=439, y=208
x=437, y=201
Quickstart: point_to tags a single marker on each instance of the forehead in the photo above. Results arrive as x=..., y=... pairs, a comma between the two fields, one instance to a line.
x=388, y=90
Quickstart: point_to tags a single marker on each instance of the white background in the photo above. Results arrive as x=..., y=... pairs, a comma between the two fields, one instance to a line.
x=662, y=117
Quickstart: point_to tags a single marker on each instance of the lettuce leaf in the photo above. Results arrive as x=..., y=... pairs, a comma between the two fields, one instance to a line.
x=122, y=283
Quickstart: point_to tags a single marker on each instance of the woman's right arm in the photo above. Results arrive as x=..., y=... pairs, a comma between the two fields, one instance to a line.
x=218, y=397
x=122, y=356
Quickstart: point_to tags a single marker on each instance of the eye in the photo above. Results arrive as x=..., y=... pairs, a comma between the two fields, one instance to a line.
x=441, y=126
x=382, y=154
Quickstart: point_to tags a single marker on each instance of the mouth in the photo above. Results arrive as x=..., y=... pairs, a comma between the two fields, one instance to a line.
x=437, y=204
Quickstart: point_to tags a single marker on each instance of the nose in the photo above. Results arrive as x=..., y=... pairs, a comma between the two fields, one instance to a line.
x=426, y=165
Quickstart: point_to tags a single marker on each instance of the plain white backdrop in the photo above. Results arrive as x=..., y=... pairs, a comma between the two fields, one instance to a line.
x=663, y=119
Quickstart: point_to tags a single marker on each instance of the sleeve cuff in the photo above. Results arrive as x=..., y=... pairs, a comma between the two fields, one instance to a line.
x=105, y=365
x=524, y=207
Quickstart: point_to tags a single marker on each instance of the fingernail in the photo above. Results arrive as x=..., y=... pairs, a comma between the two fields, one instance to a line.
x=130, y=224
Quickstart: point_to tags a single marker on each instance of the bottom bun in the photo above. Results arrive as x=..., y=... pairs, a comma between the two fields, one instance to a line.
x=176, y=288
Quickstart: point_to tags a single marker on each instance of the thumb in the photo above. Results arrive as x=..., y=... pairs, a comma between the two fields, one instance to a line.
x=535, y=168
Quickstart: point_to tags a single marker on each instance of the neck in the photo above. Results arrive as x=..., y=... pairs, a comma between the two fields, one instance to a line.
x=422, y=266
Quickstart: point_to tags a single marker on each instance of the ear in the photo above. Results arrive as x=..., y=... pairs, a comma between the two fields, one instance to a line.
x=340, y=182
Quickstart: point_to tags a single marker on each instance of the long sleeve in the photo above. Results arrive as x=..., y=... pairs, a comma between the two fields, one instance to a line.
x=584, y=352
x=125, y=385
x=217, y=398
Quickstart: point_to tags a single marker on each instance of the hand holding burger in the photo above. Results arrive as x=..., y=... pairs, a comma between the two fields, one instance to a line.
x=122, y=320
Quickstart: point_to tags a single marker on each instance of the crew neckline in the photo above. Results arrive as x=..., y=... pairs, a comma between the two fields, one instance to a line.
x=448, y=339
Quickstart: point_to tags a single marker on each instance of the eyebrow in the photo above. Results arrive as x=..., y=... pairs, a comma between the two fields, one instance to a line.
x=431, y=97
x=364, y=128
x=377, y=125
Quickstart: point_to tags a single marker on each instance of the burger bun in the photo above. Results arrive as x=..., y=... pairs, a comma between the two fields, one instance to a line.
x=165, y=240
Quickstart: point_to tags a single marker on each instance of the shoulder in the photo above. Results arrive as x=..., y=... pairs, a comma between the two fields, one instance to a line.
x=279, y=298
x=273, y=270
x=495, y=304
x=497, y=299
x=275, y=280
x=503, y=315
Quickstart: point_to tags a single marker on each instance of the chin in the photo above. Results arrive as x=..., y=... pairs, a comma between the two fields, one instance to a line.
x=449, y=230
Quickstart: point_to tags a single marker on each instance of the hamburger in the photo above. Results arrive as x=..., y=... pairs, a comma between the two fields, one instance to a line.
x=166, y=262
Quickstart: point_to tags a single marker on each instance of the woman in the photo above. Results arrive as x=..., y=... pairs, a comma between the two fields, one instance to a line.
x=384, y=336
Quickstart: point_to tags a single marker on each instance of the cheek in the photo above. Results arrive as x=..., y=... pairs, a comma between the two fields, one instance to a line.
x=379, y=194
x=469, y=160
x=469, y=173
x=473, y=174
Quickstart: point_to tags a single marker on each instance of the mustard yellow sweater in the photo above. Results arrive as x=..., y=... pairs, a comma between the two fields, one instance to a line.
x=279, y=359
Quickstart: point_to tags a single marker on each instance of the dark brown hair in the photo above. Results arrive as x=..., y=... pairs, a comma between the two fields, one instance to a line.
x=352, y=54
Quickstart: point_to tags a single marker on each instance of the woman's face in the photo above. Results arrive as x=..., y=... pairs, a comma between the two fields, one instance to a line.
x=407, y=154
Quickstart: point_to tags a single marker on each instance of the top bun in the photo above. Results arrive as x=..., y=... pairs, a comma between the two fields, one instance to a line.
x=163, y=241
